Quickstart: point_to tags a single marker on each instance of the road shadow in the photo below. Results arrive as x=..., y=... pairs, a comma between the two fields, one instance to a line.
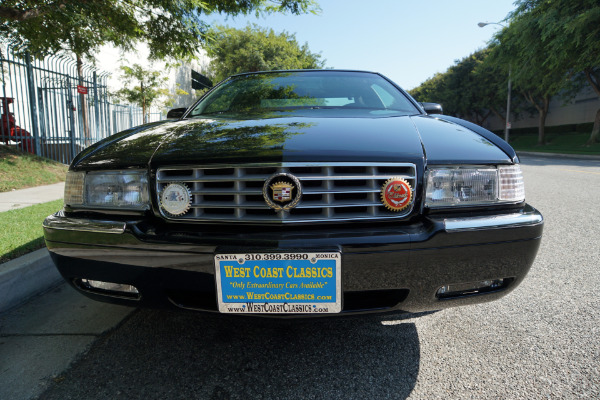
x=176, y=355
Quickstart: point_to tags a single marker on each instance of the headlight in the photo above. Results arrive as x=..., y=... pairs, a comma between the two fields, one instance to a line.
x=108, y=189
x=473, y=185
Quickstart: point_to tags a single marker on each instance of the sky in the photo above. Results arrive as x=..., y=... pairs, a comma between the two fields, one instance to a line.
x=407, y=41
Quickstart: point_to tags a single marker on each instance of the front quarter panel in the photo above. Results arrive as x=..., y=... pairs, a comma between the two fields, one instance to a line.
x=491, y=136
x=449, y=143
x=131, y=148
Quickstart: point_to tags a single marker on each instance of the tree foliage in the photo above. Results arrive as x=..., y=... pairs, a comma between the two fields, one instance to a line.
x=518, y=47
x=145, y=88
x=171, y=28
x=471, y=89
x=550, y=48
x=432, y=90
x=568, y=40
x=256, y=49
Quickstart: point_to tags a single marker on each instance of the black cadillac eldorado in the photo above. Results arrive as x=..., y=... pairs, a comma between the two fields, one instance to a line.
x=297, y=192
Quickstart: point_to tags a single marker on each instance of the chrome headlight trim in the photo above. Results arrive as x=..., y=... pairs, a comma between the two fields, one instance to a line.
x=473, y=185
x=115, y=190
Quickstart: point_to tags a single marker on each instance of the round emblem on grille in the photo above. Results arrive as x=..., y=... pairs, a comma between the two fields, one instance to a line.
x=396, y=194
x=176, y=199
x=282, y=191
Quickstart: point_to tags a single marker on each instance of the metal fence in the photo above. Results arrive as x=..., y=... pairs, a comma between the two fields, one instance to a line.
x=44, y=112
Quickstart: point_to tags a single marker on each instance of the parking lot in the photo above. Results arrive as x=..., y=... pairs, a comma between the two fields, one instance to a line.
x=540, y=341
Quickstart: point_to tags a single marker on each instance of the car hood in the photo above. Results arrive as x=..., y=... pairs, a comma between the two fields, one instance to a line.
x=290, y=139
x=293, y=139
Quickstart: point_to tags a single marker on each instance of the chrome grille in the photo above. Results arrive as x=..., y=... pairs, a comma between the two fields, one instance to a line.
x=331, y=191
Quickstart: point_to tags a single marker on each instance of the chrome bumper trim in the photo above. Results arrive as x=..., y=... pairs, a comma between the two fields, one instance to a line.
x=84, y=225
x=496, y=221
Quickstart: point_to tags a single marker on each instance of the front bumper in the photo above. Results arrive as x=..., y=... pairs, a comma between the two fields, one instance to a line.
x=386, y=267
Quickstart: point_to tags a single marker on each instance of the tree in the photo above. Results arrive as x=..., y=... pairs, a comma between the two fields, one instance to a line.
x=148, y=89
x=569, y=31
x=172, y=29
x=256, y=49
x=476, y=89
x=433, y=90
x=471, y=89
x=518, y=48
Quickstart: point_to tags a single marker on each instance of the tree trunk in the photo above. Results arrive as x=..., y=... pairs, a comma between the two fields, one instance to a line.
x=542, y=127
x=595, y=136
x=83, y=102
x=594, y=80
x=543, y=112
x=143, y=102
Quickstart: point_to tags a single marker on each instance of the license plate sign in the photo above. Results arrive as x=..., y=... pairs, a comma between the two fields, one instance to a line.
x=279, y=283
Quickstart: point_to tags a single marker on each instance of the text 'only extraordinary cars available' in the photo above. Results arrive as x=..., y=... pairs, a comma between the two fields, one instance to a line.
x=297, y=193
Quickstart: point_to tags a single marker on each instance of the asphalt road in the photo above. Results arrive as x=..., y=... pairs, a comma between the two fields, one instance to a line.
x=541, y=341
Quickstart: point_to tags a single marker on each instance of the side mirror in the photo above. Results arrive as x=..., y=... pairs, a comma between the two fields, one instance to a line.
x=433, y=108
x=176, y=113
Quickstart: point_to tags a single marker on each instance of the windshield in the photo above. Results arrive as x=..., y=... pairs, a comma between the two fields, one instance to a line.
x=305, y=90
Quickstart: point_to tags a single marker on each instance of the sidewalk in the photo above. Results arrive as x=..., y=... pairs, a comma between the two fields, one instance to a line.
x=27, y=197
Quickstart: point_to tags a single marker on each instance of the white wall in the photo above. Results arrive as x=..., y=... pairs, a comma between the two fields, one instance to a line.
x=581, y=109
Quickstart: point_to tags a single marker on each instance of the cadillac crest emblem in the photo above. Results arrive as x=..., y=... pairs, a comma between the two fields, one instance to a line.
x=282, y=191
x=396, y=194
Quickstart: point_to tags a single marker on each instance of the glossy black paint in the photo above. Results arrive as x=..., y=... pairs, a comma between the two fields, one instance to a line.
x=410, y=261
x=131, y=148
x=307, y=138
x=386, y=266
x=491, y=136
x=449, y=143
x=298, y=135
x=432, y=108
x=282, y=139
x=176, y=113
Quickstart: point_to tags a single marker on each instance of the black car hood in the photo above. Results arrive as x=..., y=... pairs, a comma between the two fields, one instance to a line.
x=292, y=139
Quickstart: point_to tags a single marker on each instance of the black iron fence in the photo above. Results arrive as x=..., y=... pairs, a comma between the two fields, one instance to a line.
x=49, y=109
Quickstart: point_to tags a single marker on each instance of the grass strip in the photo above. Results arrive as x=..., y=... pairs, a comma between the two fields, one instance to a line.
x=567, y=143
x=21, y=230
x=20, y=170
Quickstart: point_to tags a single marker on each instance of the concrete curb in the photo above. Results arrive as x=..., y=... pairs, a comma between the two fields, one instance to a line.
x=561, y=155
x=26, y=276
